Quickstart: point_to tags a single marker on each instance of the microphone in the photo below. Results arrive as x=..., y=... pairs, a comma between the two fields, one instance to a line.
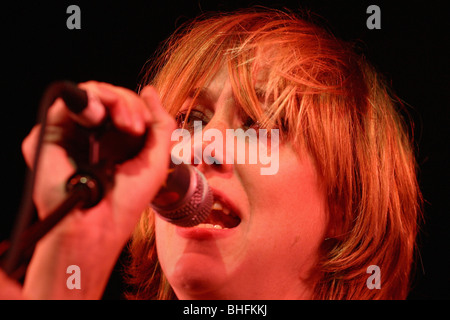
x=185, y=198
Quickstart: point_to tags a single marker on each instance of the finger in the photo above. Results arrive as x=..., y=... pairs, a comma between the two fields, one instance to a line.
x=93, y=111
x=58, y=120
x=161, y=120
x=160, y=126
x=126, y=109
x=153, y=160
x=29, y=145
x=9, y=289
x=158, y=144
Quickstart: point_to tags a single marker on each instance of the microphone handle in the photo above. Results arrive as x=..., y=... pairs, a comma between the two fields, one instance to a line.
x=105, y=142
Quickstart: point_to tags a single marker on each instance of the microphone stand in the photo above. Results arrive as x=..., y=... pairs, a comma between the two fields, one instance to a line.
x=83, y=190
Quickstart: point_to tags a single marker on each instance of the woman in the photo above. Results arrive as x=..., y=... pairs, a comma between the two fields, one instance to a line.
x=344, y=197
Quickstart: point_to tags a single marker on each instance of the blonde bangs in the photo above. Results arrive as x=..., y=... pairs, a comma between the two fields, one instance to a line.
x=194, y=55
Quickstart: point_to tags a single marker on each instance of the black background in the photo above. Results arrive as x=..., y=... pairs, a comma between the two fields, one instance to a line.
x=116, y=39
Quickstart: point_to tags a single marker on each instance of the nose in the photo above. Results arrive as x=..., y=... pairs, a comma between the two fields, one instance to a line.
x=208, y=152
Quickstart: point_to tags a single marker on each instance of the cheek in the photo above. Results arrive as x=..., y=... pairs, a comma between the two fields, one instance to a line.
x=164, y=243
x=288, y=211
x=292, y=218
x=288, y=236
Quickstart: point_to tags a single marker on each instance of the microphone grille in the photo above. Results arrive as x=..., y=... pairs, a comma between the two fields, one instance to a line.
x=195, y=207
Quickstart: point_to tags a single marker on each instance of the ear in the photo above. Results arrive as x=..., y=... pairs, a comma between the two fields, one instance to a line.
x=336, y=226
x=335, y=233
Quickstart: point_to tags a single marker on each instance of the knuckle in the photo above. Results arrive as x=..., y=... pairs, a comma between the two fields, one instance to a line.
x=89, y=83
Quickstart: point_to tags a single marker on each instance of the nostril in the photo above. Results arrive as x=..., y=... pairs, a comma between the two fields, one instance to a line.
x=212, y=160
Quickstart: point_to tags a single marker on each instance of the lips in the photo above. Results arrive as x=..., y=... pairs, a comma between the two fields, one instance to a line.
x=224, y=214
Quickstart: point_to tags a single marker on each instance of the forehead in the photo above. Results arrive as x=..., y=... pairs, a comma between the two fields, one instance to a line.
x=212, y=89
x=222, y=80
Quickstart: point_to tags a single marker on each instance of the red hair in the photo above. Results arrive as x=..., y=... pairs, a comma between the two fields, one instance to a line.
x=327, y=100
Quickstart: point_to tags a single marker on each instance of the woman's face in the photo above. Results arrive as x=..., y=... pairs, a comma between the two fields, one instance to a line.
x=282, y=220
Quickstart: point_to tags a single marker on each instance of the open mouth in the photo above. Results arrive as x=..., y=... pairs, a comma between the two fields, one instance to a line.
x=222, y=216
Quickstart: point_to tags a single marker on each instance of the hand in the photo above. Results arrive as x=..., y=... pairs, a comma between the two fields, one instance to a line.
x=100, y=232
x=9, y=289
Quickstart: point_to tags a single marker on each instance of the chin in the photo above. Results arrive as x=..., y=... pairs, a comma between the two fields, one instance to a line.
x=197, y=276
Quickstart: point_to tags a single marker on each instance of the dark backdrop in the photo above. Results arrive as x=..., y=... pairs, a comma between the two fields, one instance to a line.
x=115, y=40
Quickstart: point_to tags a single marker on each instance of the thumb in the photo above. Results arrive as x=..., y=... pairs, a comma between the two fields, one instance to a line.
x=9, y=289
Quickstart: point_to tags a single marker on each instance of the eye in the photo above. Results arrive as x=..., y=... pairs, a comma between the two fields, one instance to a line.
x=185, y=119
x=264, y=130
x=250, y=123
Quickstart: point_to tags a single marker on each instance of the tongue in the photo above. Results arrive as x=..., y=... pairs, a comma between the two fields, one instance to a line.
x=225, y=221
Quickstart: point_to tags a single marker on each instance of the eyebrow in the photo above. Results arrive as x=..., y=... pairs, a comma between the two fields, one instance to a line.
x=207, y=95
x=260, y=94
x=202, y=94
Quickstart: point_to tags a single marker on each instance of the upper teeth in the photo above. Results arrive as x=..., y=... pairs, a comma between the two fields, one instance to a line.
x=218, y=206
x=210, y=226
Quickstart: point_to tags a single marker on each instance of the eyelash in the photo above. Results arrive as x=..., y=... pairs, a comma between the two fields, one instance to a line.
x=251, y=124
x=185, y=119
